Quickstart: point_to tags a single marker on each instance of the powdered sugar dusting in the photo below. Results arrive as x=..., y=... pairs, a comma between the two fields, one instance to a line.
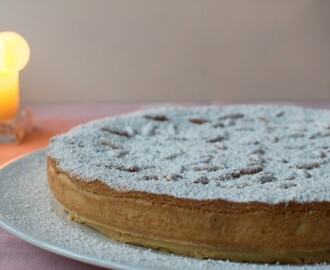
x=245, y=153
x=28, y=207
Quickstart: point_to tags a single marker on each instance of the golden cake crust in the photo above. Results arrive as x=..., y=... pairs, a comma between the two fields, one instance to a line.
x=289, y=232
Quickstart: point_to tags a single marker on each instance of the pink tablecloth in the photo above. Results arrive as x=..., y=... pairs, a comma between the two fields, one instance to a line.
x=48, y=121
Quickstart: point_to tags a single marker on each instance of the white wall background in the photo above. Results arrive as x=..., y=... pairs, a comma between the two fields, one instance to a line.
x=133, y=50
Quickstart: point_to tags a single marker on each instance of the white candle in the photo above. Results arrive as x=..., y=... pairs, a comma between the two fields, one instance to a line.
x=14, y=55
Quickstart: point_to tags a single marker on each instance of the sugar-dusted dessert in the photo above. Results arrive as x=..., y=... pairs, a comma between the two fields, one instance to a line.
x=246, y=183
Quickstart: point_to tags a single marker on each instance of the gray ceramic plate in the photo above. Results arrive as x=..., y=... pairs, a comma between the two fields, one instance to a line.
x=29, y=211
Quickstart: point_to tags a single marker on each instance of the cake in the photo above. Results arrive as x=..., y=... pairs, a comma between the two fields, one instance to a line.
x=244, y=183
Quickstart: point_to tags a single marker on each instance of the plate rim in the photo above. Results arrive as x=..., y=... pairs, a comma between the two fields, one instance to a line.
x=76, y=255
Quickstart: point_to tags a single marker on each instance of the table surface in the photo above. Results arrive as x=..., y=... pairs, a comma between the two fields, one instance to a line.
x=50, y=120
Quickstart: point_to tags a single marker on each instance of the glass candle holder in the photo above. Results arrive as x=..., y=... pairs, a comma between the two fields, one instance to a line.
x=17, y=128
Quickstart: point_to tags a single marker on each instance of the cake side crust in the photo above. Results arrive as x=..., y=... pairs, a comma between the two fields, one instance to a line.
x=291, y=232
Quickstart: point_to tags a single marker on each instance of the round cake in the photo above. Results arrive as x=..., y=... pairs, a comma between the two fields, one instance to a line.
x=245, y=183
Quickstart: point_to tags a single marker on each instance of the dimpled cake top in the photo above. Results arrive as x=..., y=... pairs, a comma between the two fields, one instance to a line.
x=263, y=153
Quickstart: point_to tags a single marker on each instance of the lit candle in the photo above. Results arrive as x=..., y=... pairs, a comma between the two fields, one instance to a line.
x=14, y=55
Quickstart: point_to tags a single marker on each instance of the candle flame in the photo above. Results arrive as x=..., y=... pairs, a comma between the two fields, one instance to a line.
x=14, y=52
